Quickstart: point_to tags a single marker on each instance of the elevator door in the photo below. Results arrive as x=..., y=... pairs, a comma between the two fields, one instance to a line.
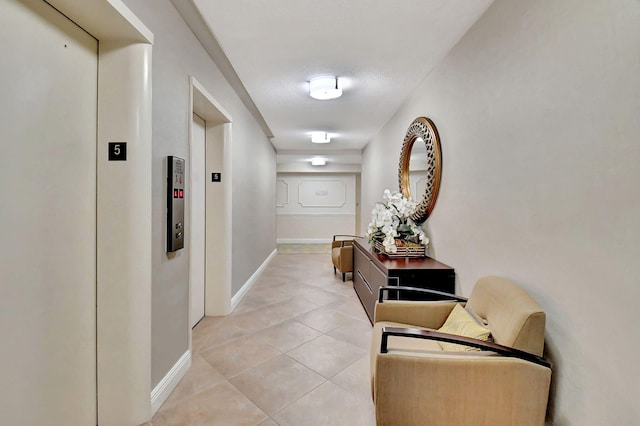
x=48, y=97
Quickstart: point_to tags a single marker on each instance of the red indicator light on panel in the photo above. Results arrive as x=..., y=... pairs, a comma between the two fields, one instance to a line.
x=175, y=193
x=182, y=193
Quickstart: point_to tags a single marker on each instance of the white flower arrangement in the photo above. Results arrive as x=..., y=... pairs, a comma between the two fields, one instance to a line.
x=391, y=220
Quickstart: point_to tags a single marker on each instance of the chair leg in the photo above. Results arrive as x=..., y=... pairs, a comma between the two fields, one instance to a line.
x=343, y=274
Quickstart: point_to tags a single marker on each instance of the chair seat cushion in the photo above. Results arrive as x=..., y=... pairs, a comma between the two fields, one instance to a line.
x=407, y=345
x=410, y=346
x=402, y=344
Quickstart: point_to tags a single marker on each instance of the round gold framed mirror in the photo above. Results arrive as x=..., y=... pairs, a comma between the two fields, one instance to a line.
x=421, y=166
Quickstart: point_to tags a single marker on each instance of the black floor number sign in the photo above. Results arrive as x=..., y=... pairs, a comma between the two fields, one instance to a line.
x=117, y=151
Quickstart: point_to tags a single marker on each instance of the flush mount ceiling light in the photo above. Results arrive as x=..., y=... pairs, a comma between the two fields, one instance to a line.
x=317, y=161
x=320, y=137
x=327, y=87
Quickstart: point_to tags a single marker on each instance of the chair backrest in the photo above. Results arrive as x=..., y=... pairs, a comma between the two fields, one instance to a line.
x=514, y=317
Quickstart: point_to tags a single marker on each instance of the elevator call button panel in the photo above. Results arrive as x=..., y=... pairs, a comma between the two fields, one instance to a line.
x=175, y=203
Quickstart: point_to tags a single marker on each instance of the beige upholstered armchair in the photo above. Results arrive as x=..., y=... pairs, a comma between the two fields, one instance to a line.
x=420, y=377
x=342, y=254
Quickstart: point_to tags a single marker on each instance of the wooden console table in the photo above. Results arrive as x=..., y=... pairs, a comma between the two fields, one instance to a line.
x=372, y=270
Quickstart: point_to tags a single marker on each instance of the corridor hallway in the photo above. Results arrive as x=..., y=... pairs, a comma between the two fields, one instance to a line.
x=294, y=352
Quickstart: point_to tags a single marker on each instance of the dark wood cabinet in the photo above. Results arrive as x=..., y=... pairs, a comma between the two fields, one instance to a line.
x=372, y=270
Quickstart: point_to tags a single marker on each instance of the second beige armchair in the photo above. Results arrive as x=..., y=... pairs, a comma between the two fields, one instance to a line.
x=342, y=254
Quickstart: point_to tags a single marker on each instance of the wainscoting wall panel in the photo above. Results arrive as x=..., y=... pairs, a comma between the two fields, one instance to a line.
x=282, y=193
x=311, y=208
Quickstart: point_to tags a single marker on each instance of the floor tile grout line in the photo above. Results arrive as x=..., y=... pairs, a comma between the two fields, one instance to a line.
x=251, y=332
x=325, y=379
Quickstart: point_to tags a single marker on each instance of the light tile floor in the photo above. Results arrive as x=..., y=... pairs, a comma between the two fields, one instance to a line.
x=294, y=352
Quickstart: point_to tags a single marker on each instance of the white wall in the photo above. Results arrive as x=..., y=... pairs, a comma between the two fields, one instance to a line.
x=312, y=208
x=538, y=109
x=177, y=55
x=254, y=213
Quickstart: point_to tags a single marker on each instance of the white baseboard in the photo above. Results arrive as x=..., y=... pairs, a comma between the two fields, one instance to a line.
x=303, y=240
x=169, y=382
x=235, y=300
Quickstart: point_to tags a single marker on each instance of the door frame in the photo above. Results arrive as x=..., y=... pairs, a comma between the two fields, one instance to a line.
x=123, y=235
x=218, y=199
x=196, y=236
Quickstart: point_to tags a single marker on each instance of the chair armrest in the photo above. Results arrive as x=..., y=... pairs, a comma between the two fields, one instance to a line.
x=427, y=314
x=443, y=295
x=452, y=338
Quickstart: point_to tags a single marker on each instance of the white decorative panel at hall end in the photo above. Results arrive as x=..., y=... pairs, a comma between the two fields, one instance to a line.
x=317, y=207
x=282, y=193
x=322, y=193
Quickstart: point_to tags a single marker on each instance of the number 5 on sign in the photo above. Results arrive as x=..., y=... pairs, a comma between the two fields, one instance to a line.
x=117, y=151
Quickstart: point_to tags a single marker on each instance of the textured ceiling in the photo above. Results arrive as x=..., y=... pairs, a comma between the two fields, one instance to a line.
x=381, y=50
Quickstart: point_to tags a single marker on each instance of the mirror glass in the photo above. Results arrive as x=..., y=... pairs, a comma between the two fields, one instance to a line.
x=420, y=167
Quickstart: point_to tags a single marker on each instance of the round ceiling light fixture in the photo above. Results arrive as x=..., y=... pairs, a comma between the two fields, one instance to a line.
x=318, y=161
x=320, y=137
x=326, y=87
